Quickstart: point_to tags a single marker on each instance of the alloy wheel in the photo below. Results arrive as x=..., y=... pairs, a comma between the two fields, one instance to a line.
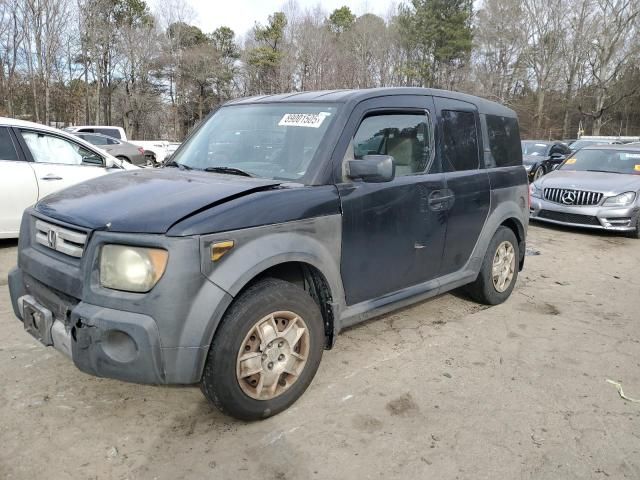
x=272, y=355
x=504, y=266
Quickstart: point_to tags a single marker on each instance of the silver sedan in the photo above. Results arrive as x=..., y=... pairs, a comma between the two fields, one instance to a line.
x=597, y=187
x=125, y=151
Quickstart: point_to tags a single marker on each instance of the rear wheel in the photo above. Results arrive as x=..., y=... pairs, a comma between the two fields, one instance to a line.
x=266, y=351
x=499, y=270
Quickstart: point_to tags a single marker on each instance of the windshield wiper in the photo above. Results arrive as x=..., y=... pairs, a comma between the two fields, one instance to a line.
x=173, y=163
x=602, y=171
x=229, y=170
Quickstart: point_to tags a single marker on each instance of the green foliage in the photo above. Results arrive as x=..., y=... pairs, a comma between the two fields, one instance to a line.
x=131, y=13
x=223, y=40
x=186, y=35
x=435, y=34
x=341, y=20
x=273, y=33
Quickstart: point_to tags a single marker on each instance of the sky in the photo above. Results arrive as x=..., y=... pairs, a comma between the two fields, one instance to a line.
x=241, y=15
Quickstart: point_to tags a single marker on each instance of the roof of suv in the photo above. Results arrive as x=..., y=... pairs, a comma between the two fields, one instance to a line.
x=356, y=96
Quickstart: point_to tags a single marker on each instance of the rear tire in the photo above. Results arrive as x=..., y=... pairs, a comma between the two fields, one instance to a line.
x=274, y=329
x=497, y=278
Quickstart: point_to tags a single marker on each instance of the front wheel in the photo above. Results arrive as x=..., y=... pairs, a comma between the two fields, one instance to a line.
x=538, y=173
x=499, y=270
x=123, y=158
x=266, y=351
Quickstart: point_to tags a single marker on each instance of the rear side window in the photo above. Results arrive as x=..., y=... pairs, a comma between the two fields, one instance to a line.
x=459, y=141
x=504, y=142
x=96, y=140
x=7, y=149
x=111, y=132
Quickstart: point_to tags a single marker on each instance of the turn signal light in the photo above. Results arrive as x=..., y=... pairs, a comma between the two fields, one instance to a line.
x=219, y=249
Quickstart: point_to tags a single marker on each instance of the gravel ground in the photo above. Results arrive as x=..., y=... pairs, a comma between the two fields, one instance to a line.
x=446, y=389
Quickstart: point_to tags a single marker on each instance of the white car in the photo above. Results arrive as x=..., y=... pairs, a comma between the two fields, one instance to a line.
x=36, y=160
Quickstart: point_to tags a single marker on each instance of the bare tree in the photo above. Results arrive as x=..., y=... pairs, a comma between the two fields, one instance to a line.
x=614, y=47
x=543, y=21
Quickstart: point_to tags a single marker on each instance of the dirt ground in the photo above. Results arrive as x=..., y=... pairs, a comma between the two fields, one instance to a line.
x=446, y=390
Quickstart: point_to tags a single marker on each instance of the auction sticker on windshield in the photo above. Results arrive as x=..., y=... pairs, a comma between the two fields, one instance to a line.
x=312, y=120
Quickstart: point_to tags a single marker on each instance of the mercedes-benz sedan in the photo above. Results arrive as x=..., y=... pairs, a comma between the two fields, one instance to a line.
x=597, y=187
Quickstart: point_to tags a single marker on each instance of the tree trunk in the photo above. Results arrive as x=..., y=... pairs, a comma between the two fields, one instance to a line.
x=540, y=110
x=597, y=118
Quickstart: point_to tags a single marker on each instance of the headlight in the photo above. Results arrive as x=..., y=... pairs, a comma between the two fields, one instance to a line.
x=528, y=167
x=133, y=269
x=621, y=200
x=535, y=191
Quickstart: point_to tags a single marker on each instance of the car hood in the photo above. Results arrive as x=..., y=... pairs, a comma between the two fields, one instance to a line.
x=612, y=183
x=145, y=200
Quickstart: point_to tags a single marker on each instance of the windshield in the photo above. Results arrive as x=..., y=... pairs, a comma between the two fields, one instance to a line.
x=534, y=148
x=585, y=143
x=277, y=141
x=614, y=161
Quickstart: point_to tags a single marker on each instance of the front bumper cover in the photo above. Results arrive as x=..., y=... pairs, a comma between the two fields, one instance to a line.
x=161, y=337
x=620, y=219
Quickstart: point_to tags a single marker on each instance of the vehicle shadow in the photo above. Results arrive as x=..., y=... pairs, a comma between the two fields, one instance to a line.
x=8, y=242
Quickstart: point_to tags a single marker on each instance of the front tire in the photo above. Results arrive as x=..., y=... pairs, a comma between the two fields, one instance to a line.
x=123, y=158
x=265, y=352
x=499, y=270
x=538, y=173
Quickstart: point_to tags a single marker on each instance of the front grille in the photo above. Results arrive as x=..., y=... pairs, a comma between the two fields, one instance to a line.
x=567, y=196
x=569, y=218
x=63, y=240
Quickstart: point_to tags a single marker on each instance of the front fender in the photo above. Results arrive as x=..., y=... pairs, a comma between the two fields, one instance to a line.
x=315, y=241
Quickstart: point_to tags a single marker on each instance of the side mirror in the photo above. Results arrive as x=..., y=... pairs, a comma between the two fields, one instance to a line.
x=94, y=160
x=372, y=169
x=558, y=156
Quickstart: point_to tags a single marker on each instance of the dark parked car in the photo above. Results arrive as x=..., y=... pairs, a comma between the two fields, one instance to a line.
x=598, y=187
x=540, y=156
x=239, y=262
x=125, y=151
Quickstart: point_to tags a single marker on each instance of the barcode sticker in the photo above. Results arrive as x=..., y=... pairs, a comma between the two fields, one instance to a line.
x=312, y=120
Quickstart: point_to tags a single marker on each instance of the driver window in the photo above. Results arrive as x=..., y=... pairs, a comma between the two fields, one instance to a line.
x=406, y=137
x=47, y=148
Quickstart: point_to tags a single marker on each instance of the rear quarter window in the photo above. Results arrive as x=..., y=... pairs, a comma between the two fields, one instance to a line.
x=504, y=142
x=111, y=132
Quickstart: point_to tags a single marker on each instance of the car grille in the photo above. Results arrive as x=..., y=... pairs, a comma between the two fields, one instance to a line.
x=63, y=240
x=566, y=196
x=569, y=218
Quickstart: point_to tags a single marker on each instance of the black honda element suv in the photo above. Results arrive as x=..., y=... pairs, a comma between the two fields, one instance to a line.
x=280, y=221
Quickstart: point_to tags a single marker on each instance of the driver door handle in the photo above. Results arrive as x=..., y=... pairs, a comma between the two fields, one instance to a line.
x=440, y=200
x=51, y=176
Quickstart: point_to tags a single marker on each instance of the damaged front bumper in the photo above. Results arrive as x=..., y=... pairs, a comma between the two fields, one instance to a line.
x=101, y=341
x=158, y=337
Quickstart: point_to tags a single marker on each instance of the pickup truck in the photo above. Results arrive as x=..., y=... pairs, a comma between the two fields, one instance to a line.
x=281, y=221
